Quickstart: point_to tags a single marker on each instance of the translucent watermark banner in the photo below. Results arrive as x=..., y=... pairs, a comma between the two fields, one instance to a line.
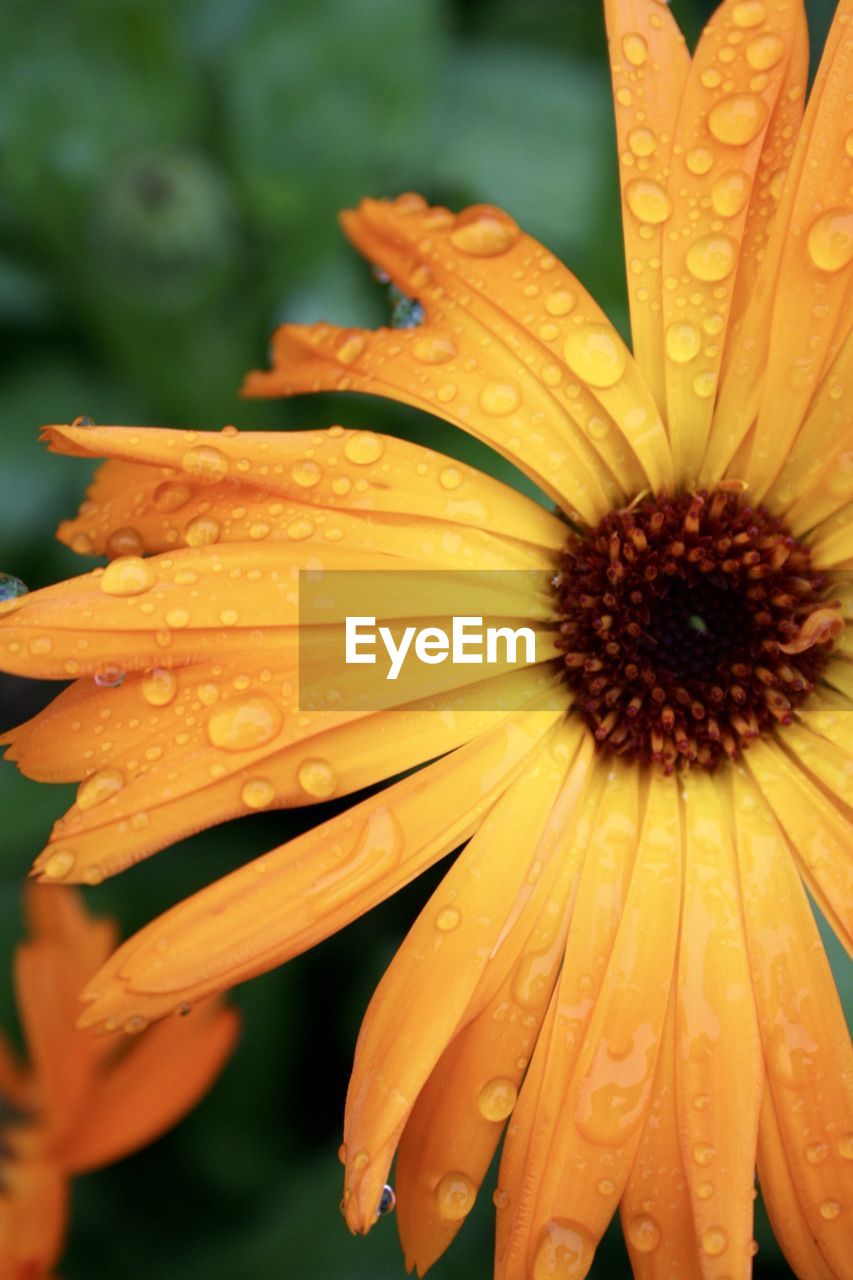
x=373, y=639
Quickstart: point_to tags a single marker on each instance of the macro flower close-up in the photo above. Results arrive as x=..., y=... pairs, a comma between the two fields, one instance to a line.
x=618, y=990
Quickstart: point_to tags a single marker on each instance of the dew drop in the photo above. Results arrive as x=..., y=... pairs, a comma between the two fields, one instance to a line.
x=135, y=1024
x=455, y=1196
x=648, y=201
x=59, y=864
x=699, y=160
x=360, y=1161
x=830, y=240
x=737, y=119
x=606, y=1186
x=497, y=1099
x=306, y=473
x=317, y=778
x=749, y=13
x=124, y=542
x=205, y=463
x=170, y=496
x=129, y=576
x=845, y=1146
x=245, y=724
x=99, y=787
x=11, y=588
x=711, y=258
x=364, y=447
x=450, y=478
x=714, y=1241
x=433, y=349
x=299, y=530
x=705, y=384
x=644, y=1233
x=499, y=398
x=159, y=687
x=447, y=919
x=500, y=1198
x=565, y=1251
x=560, y=302
x=387, y=1201
x=83, y=421
x=765, y=51
x=201, y=532
x=635, y=49
x=705, y=1190
x=484, y=231
x=642, y=142
x=682, y=341
x=830, y=1209
x=730, y=193
x=257, y=793
x=350, y=347
x=704, y=1154
x=177, y=618
x=594, y=354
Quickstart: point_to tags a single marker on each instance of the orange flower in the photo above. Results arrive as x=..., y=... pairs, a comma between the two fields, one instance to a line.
x=623, y=958
x=82, y=1103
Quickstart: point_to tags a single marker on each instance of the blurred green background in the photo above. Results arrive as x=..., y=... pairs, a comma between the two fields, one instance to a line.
x=170, y=173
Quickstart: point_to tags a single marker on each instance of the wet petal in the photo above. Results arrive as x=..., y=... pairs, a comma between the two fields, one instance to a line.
x=719, y=1067
x=649, y=64
x=721, y=130
x=279, y=905
x=460, y=1113
x=530, y=365
x=806, y=1046
x=575, y=1171
x=455, y=955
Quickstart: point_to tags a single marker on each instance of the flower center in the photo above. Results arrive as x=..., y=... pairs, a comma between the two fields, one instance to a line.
x=690, y=626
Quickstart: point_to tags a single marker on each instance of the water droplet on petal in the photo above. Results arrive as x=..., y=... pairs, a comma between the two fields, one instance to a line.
x=565, y=1251
x=317, y=778
x=484, y=231
x=682, y=342
x=306, y=473
x=644, y=1233
x=447, y=919
x=714, y=1241
x=737, y=119
x=258, y=793
x=635, y=49
x=711, y=258
x=830, y=240
x=704, y=1154
x=606, y=1186
x=124, y=542
x=730, y=193
x=845, y=1146
x=177, y=618
x=455, y=1196
x=387, y=1201
x=83, y=421
x=499, y=398
x=749, y=13
x=594, y=353
x=560, y=302
x=830, y=1209
x=201, y=532
x=350, y=347
x=450, y=478
x=245, y=724
x=497, y=1099
x=705, y=384
x=699, y=160
x=129, y=576
x=11, y=588
x=817, y=1152
x=59, y=864
x=648, y=201
x=642, y=142
x=705, y=1190
x=763, y=52
x=364, y=447
x=159, y=687
x=205, y=463
x=135, y=1024
x=170, y=496
x=433, y=349
x=99, y=787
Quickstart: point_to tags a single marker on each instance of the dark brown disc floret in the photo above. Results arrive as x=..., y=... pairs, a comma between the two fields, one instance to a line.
x=690, y=625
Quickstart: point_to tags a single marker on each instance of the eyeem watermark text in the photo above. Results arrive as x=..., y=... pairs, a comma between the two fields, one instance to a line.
x=469, y=641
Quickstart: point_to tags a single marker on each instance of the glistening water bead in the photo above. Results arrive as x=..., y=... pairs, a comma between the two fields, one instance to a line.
x=689, y=626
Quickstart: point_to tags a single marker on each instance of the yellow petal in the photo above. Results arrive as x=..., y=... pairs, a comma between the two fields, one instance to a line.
x=454, y=956
x=649, y=64
x=719, y=137
x=523, y=345
x=279, y=905
x=806, y=1046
